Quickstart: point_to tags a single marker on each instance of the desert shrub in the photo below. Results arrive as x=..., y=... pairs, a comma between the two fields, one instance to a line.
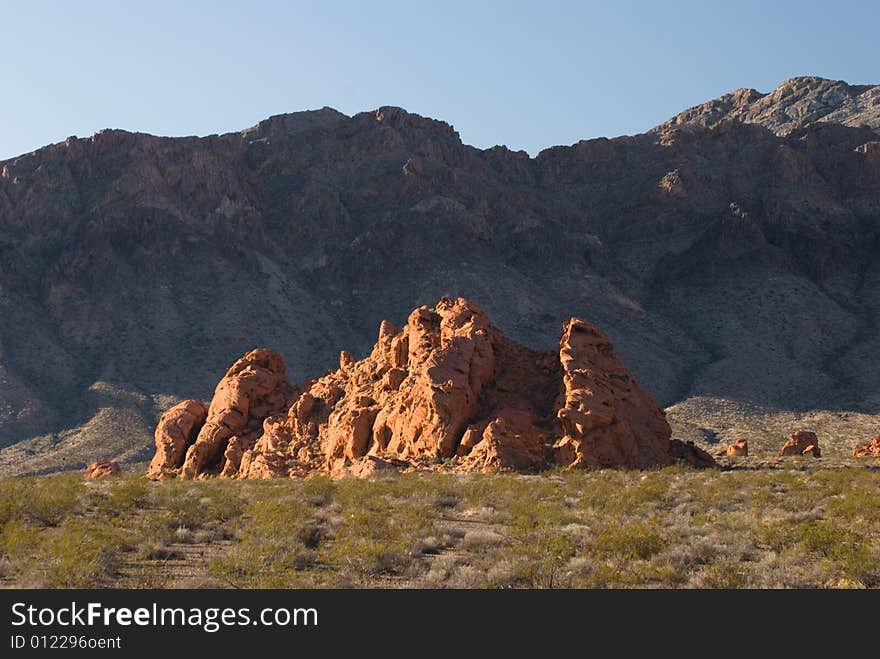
x=861, y=565
x=653, y=573
x=122, y=496
x=501, y=490
x=822, y=538
x=539, y=536
x=815, y=536
x=689, y=555
x=446, y=498
x=318, y=491
x=575, y=528
x=78, y=553
x=856, y=503
x=602, y=491
x=776, y=536
x=19, y=540
x=649, y=492
x=43, y=500
x=196, y=505
x=279, y=542
x=724, y=574
x=479, y=539
x=538, y=560
x=633, y=540
x=587, y=573
x=81, y=554
x=373, y=542
x=721, y=492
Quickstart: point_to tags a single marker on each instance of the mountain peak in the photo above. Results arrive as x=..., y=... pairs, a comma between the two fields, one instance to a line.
x=292, y=123
x=794, y=104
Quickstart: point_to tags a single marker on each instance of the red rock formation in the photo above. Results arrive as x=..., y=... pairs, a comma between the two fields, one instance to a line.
x=739, y=448
x=609, y=420
x=868, y=449
x=509, y=441
x=102, y=469
x=801, y=442
x=447, y=389
x=176, y=432
x=255, y=387
x=372, y=465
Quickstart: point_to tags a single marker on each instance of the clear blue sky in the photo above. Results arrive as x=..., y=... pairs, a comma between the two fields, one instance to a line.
x=525, y=74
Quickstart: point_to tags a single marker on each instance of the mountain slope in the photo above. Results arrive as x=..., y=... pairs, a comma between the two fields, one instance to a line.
x=726, y=262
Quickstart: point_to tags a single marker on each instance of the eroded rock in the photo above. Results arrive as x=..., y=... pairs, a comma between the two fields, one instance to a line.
x=739, y=448
x=102, y=469
x=868, y=449
x=608, y=419
x=175, y=433
x=447, y=390
x=801, y=442
x=254, y=388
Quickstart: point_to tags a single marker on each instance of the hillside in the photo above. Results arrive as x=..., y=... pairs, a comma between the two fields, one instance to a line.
x=732, y=263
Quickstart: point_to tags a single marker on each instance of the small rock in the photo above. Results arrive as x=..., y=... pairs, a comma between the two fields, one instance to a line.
x=801, y=442
x=102, y=469
x=868, y=449
x=739, y=448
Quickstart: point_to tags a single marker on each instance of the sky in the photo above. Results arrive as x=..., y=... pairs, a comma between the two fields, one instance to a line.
x=528, y=75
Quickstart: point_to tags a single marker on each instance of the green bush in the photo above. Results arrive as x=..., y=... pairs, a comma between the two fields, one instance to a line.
x=197, y=505
x=725, y=574
x=633, y=540
x=278, y=543
x=121, y=496
x=45, y=500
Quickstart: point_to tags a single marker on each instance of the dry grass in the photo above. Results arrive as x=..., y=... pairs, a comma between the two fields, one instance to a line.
x=796, y=525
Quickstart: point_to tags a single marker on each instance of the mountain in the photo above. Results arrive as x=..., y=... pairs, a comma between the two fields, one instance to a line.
x=732, y=264
x=795, y=104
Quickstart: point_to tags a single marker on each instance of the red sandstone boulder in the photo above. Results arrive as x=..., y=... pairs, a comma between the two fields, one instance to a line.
x=801, y=442
x=508, y=442
x=254, y=388
x=608, y=419
x=372, y=465
x=102, y=469
x=867, y=450
x=739, y=448
x=264, y=465
x=175, y=433
x=446, y=390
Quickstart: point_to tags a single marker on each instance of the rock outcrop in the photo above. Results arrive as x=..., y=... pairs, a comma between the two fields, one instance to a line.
x=868, y=449
x=609, y=420
x=254, y=388
x=176, y=432
x=448, y=389
x=739, y=448
x=801, y=442
x=102, y=469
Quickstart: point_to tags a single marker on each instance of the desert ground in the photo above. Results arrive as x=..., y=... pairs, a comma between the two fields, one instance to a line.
x=757, y=522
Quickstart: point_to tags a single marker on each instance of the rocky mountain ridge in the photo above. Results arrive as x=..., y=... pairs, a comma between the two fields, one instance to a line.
x=795, y=104
x=733, y=268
